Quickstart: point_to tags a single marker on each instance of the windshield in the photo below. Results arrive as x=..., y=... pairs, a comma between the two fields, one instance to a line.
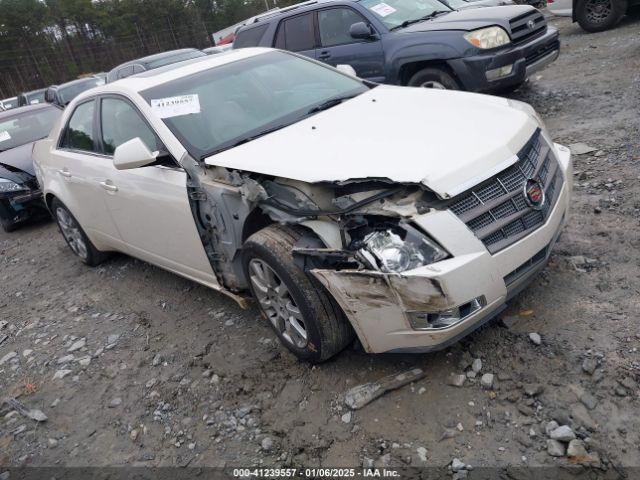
x=175, y=59
x=393, y=13
x=219, y=107
x=26, y=127
x=67, y=94
x=457, y=3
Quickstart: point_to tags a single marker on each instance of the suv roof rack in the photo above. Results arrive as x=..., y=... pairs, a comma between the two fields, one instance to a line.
x=278, y=11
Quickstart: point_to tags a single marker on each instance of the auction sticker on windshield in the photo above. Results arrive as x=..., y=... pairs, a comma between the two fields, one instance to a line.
x=383, y=9
x=176, y=106
x=4, y=136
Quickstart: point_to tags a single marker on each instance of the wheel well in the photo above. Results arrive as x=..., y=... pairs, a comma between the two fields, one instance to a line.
x=409, y=69
x=48, y=198
x=256, y=220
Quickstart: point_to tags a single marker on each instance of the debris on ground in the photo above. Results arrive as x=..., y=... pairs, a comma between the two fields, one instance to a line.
x=359, y=396
x=32, y=413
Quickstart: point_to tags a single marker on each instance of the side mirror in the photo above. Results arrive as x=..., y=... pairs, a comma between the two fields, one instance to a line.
x=348, y=69
x=360, y=30
x=49, y=95
x=133, y=154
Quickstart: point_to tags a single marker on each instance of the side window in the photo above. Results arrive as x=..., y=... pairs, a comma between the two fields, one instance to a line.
x=125, y=71
x=120, y=123
x=298, y=33
x=334, y=25
x=250, y=37
x=79, y=132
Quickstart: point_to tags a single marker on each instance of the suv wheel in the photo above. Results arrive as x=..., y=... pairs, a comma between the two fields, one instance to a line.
x=305, y=318
x=599, y=15
x=433, y=78
x=75, y=236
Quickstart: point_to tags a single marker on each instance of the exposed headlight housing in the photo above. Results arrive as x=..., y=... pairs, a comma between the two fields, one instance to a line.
x=9, y=186
x=486, y=38
x=396, y=254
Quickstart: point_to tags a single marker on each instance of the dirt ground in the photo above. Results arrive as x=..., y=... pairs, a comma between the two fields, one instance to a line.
x=168, y=373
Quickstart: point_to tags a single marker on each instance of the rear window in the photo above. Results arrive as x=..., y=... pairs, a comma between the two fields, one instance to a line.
x=250, y=37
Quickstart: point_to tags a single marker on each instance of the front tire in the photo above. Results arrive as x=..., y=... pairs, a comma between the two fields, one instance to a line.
x=305, y=318
x=433, y=78
x=75, y=237
x=599, y=15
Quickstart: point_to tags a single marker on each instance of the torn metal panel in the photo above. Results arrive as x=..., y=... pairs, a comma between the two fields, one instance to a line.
x=376, y=302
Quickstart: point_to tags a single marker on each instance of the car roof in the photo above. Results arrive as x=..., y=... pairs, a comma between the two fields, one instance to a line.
x=158, y=76
x=154, y=57
x=25, y=109
x=75, y=82
x=275, y=14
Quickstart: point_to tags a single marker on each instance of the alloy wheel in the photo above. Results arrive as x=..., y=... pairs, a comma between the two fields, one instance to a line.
x=597, y=11
x=71, y=232
x=433, y=84
x=277, y=303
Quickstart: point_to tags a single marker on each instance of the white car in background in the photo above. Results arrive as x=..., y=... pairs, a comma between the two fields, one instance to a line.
x=404, y=216
x=560, y=8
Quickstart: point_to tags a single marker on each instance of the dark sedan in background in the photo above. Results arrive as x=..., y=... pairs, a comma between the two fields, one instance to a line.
x=62, y=94
x=20, y=195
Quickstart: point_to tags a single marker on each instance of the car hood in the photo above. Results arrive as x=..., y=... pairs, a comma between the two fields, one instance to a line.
x=446, y=140
x=19, y=157
x=470, y=19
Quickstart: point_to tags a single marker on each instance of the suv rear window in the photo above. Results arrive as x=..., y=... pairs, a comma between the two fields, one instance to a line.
x=250, y=37
x=296, y=34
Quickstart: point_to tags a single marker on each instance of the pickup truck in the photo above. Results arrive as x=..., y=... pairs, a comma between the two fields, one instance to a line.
x=422, y=43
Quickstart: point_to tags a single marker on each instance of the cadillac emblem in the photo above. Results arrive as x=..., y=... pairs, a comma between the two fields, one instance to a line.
x=534, y=194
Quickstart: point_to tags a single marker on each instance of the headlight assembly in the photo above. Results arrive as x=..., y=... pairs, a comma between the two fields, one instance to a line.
x=9, y=186
x=490, y=37
x=396, y=254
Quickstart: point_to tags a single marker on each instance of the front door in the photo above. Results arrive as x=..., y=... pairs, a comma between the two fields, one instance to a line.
x=149, y=205
x=337, y=47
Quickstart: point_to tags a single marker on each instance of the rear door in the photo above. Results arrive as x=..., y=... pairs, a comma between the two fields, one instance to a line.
x=149, y=205
x=80, y=167
x=297, y=34
x=338, y=47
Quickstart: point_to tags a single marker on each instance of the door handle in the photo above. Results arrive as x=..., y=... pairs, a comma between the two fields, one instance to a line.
x=108, y=186
x=324, y=55
x=65, y=173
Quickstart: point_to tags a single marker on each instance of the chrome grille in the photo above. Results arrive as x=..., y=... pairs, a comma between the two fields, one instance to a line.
x=521, y=30
x=497, y=211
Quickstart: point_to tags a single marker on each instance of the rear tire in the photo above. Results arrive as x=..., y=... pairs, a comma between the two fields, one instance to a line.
x=7, y=225
x=599, y=15
x=304, y=316
x=75, y=237
x=431, y=77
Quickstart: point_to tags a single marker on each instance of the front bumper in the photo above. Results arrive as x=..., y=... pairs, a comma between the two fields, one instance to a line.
x=17, y=207
x=526, y=58
x=378, y=304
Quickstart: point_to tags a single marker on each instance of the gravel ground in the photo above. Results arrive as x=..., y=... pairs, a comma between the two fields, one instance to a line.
x=136, y=366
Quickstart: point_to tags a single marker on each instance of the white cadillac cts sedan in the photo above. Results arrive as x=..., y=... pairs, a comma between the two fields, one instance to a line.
x=406, y=217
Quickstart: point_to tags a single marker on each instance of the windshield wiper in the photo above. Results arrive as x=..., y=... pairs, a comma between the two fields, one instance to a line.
x=406, y=23
x=244, y=140
x=332, y=102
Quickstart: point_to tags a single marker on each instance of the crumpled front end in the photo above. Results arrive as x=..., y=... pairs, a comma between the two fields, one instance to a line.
x=429, y=307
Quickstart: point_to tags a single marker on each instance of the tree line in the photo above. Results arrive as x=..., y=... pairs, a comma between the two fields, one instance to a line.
x=44, y=42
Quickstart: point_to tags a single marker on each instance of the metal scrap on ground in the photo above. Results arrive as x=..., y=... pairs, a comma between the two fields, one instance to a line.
x=359, y=396
x=32, y=413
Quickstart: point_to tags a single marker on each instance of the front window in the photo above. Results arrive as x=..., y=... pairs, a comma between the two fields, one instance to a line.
x=396, y=13
x=26, y=127
x=233, y=103
x=66, y=94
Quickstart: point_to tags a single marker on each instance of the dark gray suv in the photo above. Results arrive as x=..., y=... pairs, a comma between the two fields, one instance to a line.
x=414, y=42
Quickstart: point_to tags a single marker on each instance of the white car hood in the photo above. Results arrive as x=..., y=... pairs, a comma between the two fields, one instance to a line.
x=449, y=141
